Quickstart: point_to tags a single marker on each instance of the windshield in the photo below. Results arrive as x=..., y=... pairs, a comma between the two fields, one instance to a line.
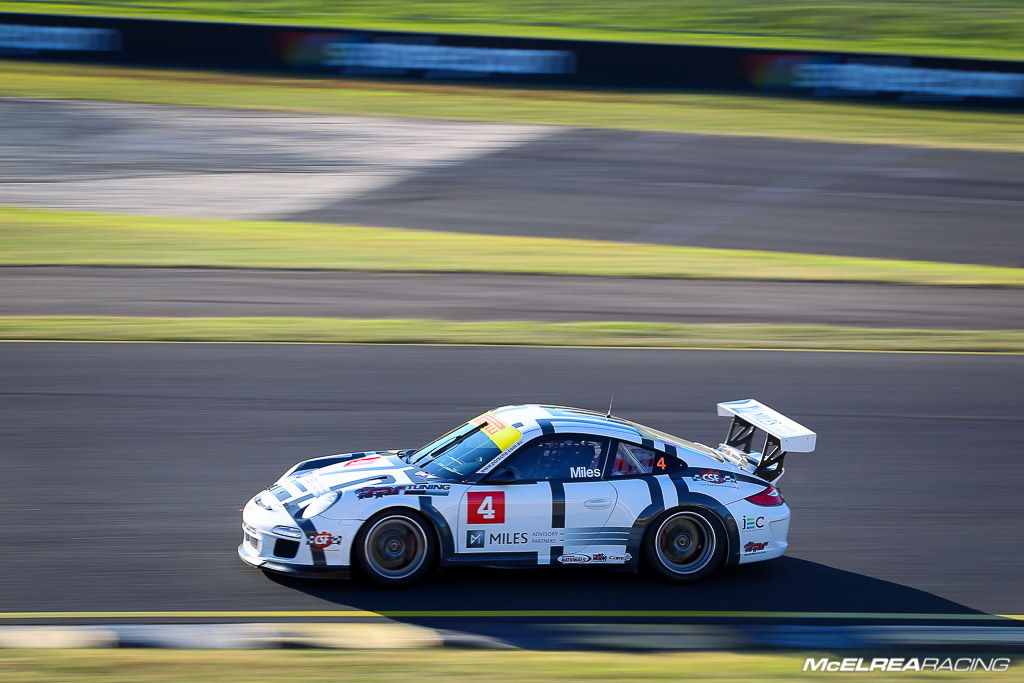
x=465, y=449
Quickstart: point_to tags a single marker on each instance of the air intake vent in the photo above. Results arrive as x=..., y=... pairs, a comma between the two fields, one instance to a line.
x=285, y=548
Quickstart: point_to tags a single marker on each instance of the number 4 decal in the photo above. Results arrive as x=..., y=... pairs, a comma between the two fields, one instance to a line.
x=485, y=507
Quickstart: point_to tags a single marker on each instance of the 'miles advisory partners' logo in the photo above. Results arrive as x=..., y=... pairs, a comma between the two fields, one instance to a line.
x=475, y=538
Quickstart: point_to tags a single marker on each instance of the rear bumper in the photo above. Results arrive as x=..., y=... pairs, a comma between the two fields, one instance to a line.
x=304, y=571
x=763, y=531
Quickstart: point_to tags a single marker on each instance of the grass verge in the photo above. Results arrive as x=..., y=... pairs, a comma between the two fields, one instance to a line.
x=37, y=666
x=512, y=332
x=651, y=111
x=938, y=27
x=43, y=237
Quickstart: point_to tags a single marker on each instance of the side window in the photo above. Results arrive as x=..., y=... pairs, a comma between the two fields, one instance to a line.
x=632, y=459
x=559, y=456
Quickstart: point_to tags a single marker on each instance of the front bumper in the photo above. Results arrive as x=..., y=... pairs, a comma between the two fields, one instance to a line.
x=304, y=571
x=263, y=547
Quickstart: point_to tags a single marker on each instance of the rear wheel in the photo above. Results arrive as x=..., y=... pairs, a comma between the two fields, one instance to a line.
x=395, y=548
x=685, y=545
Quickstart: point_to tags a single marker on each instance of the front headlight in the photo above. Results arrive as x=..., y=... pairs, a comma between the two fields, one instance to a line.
x=319, y=505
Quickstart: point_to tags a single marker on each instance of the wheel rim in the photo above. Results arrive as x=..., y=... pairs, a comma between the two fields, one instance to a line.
x=685, y=543
x=395, y=547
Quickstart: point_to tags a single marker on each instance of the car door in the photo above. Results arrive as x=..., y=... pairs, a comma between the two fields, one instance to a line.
x=547, y=504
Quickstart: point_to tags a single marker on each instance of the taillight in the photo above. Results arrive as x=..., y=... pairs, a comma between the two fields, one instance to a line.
x=770, y=496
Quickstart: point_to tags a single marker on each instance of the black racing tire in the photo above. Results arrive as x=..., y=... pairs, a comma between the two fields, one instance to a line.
x=685, y=544
x=395, y=548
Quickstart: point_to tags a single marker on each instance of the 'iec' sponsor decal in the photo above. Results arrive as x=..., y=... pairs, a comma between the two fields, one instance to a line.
x=749, y=523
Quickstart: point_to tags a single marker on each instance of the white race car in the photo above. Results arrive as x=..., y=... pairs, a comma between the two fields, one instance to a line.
x=533, y=485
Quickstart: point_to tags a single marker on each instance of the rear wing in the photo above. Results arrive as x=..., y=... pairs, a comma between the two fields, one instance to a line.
x=782, y=434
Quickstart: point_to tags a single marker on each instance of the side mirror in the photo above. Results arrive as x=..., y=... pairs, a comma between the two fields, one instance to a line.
x=502, y=475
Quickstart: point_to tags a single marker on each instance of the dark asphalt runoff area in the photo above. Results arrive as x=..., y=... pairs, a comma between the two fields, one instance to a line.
x=729, y=192
x=125, y=466
x=464, y=296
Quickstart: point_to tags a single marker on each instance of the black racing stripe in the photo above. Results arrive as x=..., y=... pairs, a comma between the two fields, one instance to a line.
x=647, y=443
x=656, y=507
x=671, y=450
x=309, y=529
x=687, y=497
x=444, y=531
x=557, y=516
x=654, y=488
x=557, y=504
x=546, y=426
x=595, y=536
x=526, y=559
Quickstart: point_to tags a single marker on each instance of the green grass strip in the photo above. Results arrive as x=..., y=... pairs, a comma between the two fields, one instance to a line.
x=515, y=333
x=960, y=28
x=43, y=237
x=650, y=111
x=441, y=664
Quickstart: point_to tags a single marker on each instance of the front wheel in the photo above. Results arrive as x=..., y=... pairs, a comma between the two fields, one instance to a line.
x=685, y=545
x=395, y=549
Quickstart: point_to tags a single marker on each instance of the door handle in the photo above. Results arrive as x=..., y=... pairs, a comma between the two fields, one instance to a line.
x=597, y=503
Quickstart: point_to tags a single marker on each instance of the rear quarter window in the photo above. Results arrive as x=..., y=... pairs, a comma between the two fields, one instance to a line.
x=633, y=460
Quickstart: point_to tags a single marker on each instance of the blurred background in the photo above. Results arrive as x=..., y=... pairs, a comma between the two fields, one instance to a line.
x=370, y=221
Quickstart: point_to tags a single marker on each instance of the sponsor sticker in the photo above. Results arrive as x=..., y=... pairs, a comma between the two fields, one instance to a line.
x=427, y=489
x=584, y=472
x=479, y=538
x=597, y=558
x=500, y=433
x=749, y=523
x=548, y=537
x=753, y=547
x=407, y=489
x=359, y=462
x=378, y=491
x=485, y=507
x=475, y=538
x=715, y=478
x=322, y=539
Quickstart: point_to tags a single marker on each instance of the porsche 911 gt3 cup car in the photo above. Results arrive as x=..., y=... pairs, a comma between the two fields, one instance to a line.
x=533, y=485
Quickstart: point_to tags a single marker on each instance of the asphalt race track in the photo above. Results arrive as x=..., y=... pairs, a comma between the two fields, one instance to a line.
x=125, y=466
x=489, y=296
x=731, y=192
